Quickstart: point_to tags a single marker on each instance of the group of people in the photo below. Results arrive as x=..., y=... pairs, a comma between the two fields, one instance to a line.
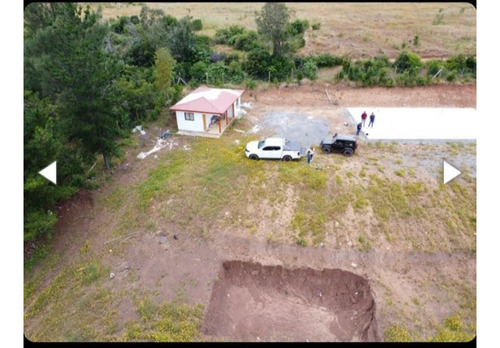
x=363, y=121
x=364, y=115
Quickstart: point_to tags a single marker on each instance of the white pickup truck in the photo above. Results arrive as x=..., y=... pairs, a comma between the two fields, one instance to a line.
x=274, y=148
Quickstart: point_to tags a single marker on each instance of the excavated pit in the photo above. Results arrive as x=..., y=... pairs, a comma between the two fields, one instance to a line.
x=252, y=302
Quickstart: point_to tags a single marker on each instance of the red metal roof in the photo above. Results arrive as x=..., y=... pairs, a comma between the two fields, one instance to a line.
x=208, y=100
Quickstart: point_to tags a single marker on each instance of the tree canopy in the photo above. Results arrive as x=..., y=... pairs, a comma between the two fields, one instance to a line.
x=272, y=22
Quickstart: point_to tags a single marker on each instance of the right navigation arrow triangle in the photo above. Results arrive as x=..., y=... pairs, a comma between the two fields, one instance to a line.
x=449, y=172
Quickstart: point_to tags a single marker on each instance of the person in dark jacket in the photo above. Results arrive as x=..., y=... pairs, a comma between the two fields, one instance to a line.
x=358, y=128
x=372, y=120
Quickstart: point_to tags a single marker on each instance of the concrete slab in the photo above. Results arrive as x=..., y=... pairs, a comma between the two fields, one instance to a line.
x=419, y=123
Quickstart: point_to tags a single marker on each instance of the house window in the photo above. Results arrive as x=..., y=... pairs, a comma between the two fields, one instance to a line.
x=189, y=116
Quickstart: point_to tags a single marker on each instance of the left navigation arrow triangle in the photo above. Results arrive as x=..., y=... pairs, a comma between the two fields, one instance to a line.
x=50, y=172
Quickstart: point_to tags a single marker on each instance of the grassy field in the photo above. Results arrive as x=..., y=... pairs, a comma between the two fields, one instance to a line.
x=353, y=29
x=329, y=206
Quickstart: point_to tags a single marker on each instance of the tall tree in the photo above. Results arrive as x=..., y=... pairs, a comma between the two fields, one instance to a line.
x=164, y=72
x=182, y=40
x=86, y=74
x=272, y=23
x=164, y=68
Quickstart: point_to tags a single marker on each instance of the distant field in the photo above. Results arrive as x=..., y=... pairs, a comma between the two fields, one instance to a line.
x=355, y=29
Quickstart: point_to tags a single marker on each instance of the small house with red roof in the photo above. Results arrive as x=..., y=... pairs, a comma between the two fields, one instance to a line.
x=207, y=111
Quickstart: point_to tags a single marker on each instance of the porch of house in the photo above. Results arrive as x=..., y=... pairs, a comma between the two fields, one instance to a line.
x=212, y=131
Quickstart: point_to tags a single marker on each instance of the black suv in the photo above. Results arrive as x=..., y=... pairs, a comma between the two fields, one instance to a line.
x=344, y=144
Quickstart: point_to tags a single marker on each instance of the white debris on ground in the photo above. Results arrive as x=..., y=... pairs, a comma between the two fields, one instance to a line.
x=160, y=144
x=240, y=111
x=138, y=129
x=247, y=105
x=418, y=123
x=255, y=129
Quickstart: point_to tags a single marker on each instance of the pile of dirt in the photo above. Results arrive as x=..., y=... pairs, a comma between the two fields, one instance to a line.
x=252, y=302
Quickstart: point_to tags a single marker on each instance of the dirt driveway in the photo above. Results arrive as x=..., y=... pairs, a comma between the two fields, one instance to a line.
x=365, y=289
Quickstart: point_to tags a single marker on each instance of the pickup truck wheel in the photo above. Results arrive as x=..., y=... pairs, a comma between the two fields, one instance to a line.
x=348, y=152
x=254, y=157
x=327, y=149
x=287, y=158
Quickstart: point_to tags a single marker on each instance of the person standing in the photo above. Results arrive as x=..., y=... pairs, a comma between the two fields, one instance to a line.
x=310, y=154
x=358, y=128
x=363, y=118
x=372, y=120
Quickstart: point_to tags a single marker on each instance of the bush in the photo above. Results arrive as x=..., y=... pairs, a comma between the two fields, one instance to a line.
x=316, y=26
x=246, y=41
x=197, y=25
x=134, y=19
x=119, y=25
x=203, y=40
x=310, y=70
x=257, y=62
x=226, y=35
x=298, y=27
x=408, y=62
x=462, y=65
x=198, y=71
x=250, y=84
x=433, y=66
x=451, y=76
x=235, y=72
x=326, y=60
x=406, y=79
x=169, y=21
x=281, y=67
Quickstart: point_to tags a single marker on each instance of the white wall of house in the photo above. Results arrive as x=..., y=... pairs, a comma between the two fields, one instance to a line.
x=195, y=125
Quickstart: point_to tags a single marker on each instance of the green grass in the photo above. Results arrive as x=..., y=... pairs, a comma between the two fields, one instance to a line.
x=167, y=322
x=453, y=330
x=397, y=333
x=214, y=187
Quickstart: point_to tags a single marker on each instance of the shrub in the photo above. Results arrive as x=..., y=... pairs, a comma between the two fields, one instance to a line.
x=281, y=67
x=257, y=62
x=169, y=21
x=408, y=62
x=326, y=60
x=226, y=35
x=246, y=41
x=203, y=40
x=134, y=19
x=198, y=71
x=250, y=84
x=316, y=25
x=197, y=25
x=433, y=66
x=451, y=76
x=298, y=27
x=119, y=25
x=310, y=70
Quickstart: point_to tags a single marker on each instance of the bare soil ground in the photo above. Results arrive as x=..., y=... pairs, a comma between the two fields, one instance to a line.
x=253, y=289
